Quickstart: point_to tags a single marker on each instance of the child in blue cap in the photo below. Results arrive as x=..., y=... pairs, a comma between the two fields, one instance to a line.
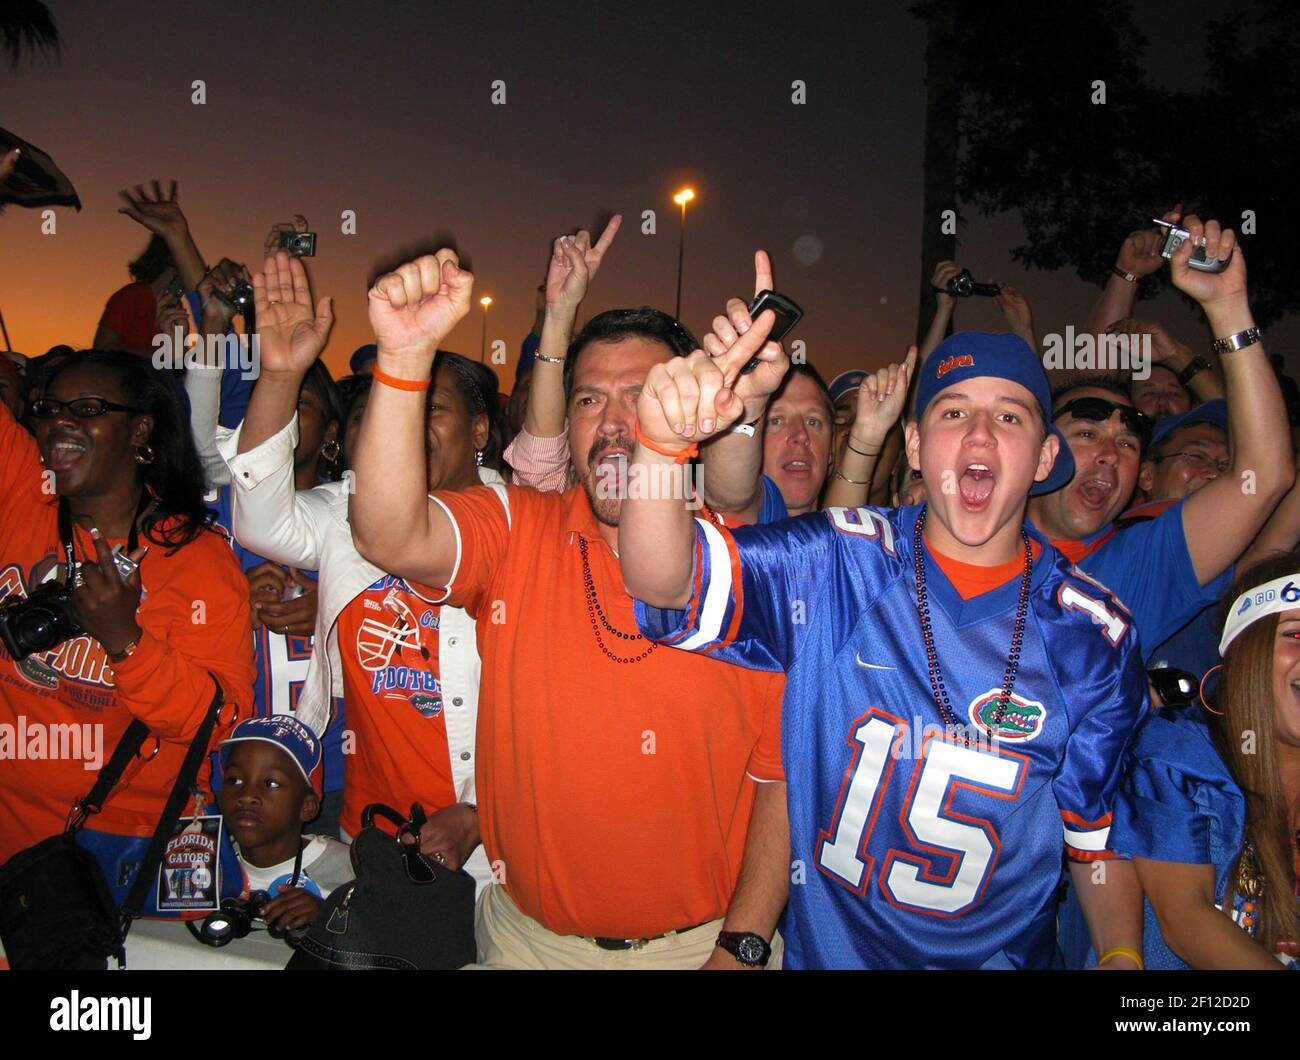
x=266, y=796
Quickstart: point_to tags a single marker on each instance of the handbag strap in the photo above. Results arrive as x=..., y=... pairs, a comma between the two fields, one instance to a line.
x=127, y=748
x=172, y=810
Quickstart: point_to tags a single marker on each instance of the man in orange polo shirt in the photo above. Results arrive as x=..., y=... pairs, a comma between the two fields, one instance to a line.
x=615, y=811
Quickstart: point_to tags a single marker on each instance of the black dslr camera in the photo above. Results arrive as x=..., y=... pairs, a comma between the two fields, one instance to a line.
x=45, y=619
x=239, y=297
x=963, y=285
x=42, y=621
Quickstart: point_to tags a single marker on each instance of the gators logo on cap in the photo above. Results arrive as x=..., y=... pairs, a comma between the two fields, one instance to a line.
x=964, y=360
x=1022, y=719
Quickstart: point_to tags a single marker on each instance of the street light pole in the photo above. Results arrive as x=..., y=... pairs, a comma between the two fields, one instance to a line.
x=485, y=301
x=681, y=198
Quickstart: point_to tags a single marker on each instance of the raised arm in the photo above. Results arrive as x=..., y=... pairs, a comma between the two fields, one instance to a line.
x=162, y=215
x=685, y=400
x=291, y=336
x=1139, y=256
x=944, y=304
x=204, y=371
x=1015, y=310
x=1174, y=355
x=1223, y=516
x=394, y=524
x=880, y=403
x=574, y=264
x=733, y=462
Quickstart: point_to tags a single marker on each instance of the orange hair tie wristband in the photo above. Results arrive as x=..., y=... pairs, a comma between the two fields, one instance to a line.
x=398, y=384
x=679, y=456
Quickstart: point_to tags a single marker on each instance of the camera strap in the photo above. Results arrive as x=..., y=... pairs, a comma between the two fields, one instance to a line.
x=189, y=771
x=68, y=541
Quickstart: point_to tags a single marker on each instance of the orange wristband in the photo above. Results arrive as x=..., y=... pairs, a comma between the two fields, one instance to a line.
x=679, y=456
x=398, y=384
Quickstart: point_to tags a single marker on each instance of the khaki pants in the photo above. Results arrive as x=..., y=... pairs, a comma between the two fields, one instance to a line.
x=508, y=939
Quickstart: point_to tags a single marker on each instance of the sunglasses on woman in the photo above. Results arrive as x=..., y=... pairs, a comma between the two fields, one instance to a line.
x=1099, y=410
x=82, y=408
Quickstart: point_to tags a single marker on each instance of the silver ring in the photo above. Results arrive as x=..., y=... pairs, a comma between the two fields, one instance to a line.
x=78, y=579
x=437, y=856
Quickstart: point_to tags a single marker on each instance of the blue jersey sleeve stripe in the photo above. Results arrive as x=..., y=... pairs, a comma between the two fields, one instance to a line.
x=1090, y=842
x=713, y=594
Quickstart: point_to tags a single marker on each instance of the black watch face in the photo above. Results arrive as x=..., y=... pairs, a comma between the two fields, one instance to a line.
x=750, y=950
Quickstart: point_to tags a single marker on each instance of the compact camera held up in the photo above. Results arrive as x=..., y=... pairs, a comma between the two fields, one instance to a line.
x=963, y=285
x=45, y=619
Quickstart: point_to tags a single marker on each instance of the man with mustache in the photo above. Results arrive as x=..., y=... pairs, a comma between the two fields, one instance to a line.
x=1167, y=569
x=614, y=807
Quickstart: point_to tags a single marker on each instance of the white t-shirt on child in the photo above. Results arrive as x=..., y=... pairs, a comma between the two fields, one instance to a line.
x=326, y=864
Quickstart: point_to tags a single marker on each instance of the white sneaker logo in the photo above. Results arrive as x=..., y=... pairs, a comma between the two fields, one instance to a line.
x=870, y=666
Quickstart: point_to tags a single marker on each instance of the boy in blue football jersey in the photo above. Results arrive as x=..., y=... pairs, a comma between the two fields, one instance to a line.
x=958, y=696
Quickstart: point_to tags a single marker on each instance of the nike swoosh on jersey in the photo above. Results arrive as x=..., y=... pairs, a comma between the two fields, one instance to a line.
x=870, y=666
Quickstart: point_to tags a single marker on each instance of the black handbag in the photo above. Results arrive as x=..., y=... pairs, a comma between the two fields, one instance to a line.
x=403, y=911
x=56, y=908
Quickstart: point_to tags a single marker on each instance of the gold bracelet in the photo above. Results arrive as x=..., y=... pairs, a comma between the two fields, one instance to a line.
x=849, y=443
x=1123, y=951
x=840, y=474
x=549, y=360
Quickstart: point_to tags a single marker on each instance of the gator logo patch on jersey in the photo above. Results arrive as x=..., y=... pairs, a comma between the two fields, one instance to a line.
x=1021, y=720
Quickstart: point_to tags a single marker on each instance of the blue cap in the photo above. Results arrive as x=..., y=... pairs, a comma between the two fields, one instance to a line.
x=976, y=354
x=846, y=381
x=286, y=732
x=1214, y=412
x=362, y=356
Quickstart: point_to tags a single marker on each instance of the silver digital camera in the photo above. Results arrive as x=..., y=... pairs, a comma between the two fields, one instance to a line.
x=1175, y=237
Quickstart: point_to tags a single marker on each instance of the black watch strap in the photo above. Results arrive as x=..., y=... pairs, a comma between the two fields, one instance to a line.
x=1195, y=365
x=748, y=948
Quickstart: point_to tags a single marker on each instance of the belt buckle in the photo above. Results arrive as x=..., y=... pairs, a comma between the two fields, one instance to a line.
x=619, y=945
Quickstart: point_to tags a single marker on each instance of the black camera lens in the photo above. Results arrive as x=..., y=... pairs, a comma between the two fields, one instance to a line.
x=36, y=628
x=962, y=285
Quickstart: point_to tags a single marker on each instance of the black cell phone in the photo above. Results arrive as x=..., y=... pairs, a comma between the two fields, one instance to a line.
x=788, y=314
x=1175, y=687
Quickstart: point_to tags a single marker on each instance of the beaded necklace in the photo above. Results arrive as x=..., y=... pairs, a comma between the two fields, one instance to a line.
x=937, y=687
x=594, y=611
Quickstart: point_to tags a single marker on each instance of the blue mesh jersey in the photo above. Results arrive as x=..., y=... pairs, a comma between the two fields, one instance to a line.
x=281, y=664
x=1178, y=802
x=911, y=848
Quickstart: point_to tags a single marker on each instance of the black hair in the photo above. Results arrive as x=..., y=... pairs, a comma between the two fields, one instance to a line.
x=477, y=385
x=1110, y=382
x=614, y=325
x=175, y=475
x=326, y=392
x=807, y=370
x=153, y=261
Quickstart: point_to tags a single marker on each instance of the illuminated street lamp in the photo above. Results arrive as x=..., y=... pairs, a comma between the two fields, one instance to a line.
x=681, y=198
x=485, y=301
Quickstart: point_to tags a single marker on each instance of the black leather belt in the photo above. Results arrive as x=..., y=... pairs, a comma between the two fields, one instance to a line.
x=636, y=944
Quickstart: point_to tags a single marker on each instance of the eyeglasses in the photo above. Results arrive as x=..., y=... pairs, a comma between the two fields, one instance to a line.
x=1098, y=410
x=1199, y=461
x=82, y=408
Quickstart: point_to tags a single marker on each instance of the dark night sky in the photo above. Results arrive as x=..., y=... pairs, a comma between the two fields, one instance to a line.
x=384, y=108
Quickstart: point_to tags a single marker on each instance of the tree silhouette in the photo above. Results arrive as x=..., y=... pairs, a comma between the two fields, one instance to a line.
x=1034, y=139
x=27, y=28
